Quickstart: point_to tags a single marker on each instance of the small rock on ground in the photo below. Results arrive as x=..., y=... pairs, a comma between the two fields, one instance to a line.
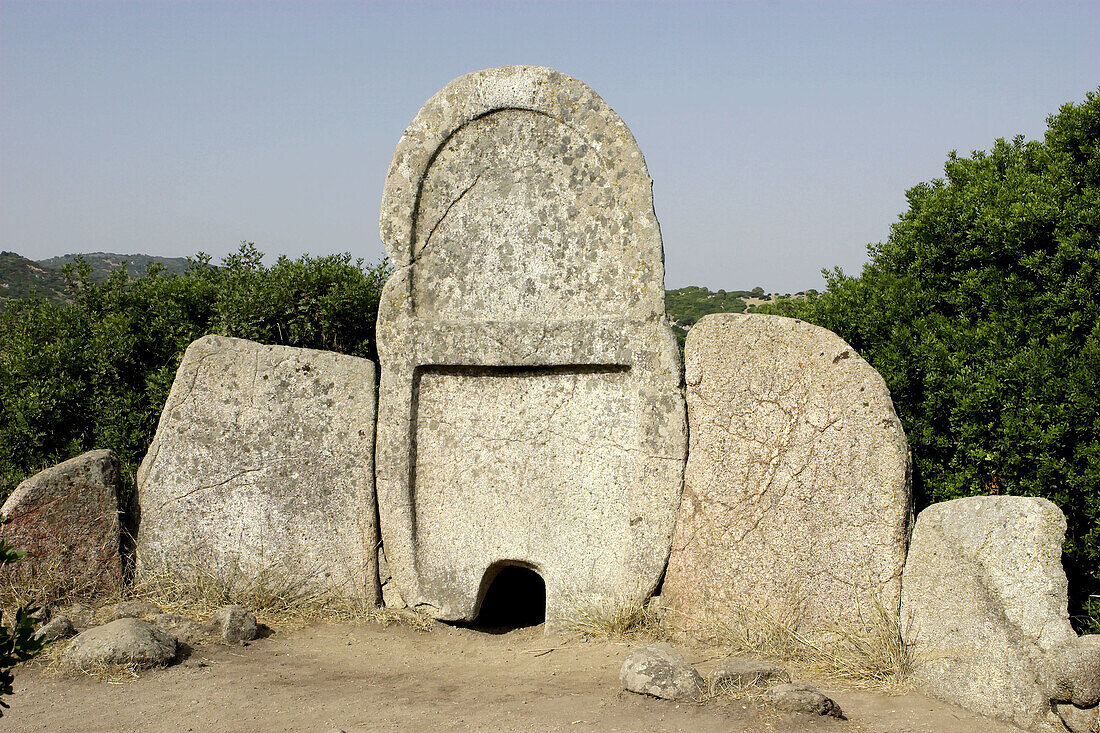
x=136, y=609
x=801, y=698
x=661, y=671
x=60, y=628
x=736, y=673
x=185, y=630
x=81, y=616
x=235, y=624
x=127, y=641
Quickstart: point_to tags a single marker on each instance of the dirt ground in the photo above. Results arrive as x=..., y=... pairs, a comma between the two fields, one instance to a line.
x=368, y=677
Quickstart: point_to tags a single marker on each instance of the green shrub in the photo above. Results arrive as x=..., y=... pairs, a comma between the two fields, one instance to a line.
x=17, y=642
x=982, y=312
x=95, y=372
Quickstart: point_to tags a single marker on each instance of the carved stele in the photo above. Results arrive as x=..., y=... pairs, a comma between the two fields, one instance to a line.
x=530, y=407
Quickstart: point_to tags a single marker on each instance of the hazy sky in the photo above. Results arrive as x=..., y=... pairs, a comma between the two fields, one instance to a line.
x=781, y=137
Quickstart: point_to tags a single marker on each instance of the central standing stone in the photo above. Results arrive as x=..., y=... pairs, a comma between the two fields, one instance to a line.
x=531, y=410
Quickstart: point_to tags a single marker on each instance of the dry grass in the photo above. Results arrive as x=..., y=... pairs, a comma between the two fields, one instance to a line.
x=613, y=618
x=51, y=581
x=277, y=597
x=280, y=598
x=870, y=654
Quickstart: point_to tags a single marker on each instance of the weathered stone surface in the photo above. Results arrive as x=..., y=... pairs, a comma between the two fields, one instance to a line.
x=391, y=597
x=234, y=624
x=530, y=410
x=984, y=596
x=796, y=493
x=66, y=521
x=737, y=673
x=262, y=464
x=661, y=671
x=1078, y=720
x=801, y=698
x=1071, y=671
x=136, y=609
x=186, y=630
x=82, y=616
x=59, y=628
x=128, y=641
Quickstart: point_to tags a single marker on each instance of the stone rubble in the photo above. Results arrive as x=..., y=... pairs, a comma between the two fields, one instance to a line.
x=127, y=641
x=659, y=670
x=801, y=698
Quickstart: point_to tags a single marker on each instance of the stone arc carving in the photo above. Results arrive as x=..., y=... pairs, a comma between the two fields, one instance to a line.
x=530, y=404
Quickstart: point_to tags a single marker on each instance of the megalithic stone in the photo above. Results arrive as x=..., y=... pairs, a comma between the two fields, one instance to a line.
x=530, y=407
x=797, y=493
x=260, y=472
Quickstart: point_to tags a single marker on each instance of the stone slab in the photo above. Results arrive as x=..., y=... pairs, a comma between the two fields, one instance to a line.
x=530, y=406
x=984, y=598
x=262, y=467
x=66, y=520
x=797, y=495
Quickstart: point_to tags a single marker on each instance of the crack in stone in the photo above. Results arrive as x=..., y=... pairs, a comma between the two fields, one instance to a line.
x=428, y=240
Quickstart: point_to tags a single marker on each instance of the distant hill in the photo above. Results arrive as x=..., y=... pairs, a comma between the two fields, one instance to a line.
x=103, y=263
x=687, y=305
x=20, y=277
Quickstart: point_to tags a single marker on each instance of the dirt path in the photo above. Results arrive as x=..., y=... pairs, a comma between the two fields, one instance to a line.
x=374, y=678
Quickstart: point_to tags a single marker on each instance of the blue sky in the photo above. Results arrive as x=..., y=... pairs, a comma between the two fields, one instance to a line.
x=781, y=137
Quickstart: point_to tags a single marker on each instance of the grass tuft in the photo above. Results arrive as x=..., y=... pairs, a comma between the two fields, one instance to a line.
x=277, y=596
x=613, y=618
x=49, y=580
x=870, y=654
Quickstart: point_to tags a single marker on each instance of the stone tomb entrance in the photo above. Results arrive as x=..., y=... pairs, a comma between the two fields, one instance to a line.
x=531, y=410
x=512, y=596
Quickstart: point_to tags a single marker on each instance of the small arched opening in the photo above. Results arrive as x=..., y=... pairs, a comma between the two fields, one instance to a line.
x=515, y=598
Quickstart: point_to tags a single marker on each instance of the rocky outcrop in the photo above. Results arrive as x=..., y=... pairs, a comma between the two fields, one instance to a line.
x=58, y=628
x=796, y=493
x=136, y=609
x=262, y=466
x=797, y=697
x=736, y=674
x=66, y=520
x=235, y=625
x=984, y=605
x=1071, y=671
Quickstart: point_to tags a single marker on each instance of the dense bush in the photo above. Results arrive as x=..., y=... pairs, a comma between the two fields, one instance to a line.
x=982, y=312
x=17, y=640
x=95, y=372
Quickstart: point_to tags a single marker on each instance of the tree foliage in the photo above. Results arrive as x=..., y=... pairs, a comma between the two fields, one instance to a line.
x=17, y=640
x=982, y=312
x=95, y=372
x=685, y=306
